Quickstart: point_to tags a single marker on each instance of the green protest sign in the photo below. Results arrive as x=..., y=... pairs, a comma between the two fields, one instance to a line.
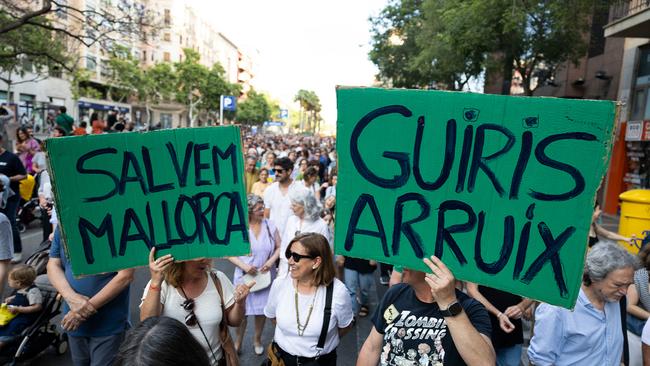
x=500, y=188
x=118, y=195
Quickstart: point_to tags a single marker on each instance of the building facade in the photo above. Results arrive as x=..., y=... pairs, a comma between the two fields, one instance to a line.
x=629, y=23
x=181, y=26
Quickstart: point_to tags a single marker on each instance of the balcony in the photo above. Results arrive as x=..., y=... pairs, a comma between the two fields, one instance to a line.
x=629, y=18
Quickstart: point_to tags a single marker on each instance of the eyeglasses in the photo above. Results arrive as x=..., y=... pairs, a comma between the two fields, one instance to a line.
x=190, y=318
x=279, y=171
x=297, y=257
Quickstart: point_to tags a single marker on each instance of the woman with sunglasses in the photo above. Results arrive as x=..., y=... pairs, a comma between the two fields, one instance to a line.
x=187, y=291
x=265, y=250
x=305, y=219
x=297, y=305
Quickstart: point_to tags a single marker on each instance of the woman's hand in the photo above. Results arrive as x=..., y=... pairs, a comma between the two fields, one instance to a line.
x=242, y=291
x=158, y=266
x=248, y=269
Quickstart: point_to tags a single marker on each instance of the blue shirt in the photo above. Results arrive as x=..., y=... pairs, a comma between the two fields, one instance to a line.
x=110, y=319
x=585, y=336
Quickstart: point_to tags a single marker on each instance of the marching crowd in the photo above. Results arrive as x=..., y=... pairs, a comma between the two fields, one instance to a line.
x=311, y=296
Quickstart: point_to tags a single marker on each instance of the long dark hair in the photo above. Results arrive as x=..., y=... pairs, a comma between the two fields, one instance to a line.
x=161, y=341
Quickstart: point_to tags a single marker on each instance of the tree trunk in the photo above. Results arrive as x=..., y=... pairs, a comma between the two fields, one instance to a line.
x=508, y=61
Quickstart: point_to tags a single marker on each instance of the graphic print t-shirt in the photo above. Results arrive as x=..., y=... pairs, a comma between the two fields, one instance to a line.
x=416, y=334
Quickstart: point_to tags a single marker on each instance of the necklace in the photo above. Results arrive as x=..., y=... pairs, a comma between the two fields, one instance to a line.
x=301, y=327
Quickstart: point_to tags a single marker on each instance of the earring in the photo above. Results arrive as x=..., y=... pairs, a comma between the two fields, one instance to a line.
x=313, y=267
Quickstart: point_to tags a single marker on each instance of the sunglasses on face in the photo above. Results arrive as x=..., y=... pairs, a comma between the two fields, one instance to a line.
x=297, y=257
x=279, y=171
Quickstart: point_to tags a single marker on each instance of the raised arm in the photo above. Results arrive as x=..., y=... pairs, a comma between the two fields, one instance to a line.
x=475, y=348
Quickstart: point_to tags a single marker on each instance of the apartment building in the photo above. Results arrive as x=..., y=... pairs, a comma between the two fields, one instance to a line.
x=182, y=26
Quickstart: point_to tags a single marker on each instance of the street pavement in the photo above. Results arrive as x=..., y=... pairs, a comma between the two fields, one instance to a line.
x=347, y=350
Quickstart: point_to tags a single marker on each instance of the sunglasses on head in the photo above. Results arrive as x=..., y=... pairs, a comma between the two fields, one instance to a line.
x=297, y=257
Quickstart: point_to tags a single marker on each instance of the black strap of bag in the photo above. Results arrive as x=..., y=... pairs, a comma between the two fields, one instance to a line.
x=328, y=315
x=626, y=347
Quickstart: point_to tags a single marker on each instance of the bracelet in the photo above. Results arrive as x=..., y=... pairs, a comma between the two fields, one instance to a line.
x=153, y=287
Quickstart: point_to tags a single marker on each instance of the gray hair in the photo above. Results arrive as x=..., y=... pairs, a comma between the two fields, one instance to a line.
x=39, y=159
x=605, y=258
x=307, y=200
x=253, y=200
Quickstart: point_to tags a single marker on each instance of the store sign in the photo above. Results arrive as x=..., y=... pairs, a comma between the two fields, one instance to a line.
x=634, y=131
x=500, y=188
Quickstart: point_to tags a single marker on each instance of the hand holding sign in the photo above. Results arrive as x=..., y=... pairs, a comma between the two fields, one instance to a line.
x=441, y=281
x=158, y=266
x=241, y=291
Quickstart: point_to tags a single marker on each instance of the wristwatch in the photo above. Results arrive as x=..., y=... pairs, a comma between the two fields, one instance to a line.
x=452, y=310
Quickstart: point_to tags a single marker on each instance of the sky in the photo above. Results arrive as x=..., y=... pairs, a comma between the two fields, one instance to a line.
x=301, y=44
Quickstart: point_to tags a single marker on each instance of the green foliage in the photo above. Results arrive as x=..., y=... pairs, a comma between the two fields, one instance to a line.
x=126, y=75
x=419, y=42
x=254, y=110
x=29, y=45
x=310, y=108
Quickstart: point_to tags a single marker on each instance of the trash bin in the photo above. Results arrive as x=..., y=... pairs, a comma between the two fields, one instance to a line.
x=635, y=216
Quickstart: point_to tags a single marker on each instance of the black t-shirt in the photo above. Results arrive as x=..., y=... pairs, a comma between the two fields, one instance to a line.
x=11, y=165
x=415, y=333
x=359, y=265
x=502, y=300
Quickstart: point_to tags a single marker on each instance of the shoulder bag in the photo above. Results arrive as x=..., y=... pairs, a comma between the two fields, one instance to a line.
x=229, y=354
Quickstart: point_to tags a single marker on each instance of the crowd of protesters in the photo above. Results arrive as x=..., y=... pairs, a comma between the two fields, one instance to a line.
x=312, y=297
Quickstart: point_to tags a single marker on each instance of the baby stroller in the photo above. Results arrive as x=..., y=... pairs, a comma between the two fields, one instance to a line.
x=28, y=211
x=42, y=333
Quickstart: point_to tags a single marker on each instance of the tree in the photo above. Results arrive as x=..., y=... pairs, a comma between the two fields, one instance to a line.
x=159, y=85
x=127, y=77
x=72, y=27
x=310, y=108
x=254, y=110
x=191, y=80
x=214, y=87
x=417, y=43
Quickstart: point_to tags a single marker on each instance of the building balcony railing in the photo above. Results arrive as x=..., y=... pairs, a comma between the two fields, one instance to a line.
x=625, y=8
x=630, y=18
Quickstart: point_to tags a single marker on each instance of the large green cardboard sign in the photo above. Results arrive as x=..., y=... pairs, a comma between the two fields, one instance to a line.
x=500, y=188
x=118, y=195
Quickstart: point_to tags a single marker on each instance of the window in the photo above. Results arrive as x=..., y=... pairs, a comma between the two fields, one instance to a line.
x=167, y=57
x=104, y=69
x=167, y=37
x=168, y=17
x=641, y=97
x=144, y=55
x=26, y=107
x=166, y=120
x=180, y=40
x=91, y=63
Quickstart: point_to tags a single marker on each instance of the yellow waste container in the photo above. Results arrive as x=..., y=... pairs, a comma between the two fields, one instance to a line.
x=635, y=216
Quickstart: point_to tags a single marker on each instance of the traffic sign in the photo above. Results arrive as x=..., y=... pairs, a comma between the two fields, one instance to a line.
x=228, y=102
x=273, y=123
x=284, y=113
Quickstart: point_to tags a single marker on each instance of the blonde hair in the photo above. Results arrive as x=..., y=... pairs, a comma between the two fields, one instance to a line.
x=174, y=274
x=24, y=274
